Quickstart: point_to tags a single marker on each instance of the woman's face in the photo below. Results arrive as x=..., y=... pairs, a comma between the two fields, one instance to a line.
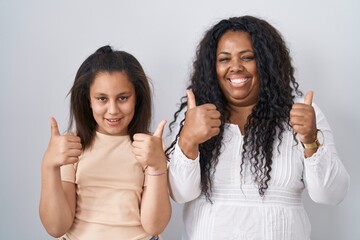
x=112, y=100
x=236, y=69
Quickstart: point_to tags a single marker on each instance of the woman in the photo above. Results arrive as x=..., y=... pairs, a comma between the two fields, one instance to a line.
x=249, y=143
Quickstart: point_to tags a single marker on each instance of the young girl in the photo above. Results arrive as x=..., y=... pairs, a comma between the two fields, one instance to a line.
x=109, y=180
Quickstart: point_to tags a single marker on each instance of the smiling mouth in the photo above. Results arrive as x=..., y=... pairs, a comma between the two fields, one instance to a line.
x=238, y=81
x=113, y=120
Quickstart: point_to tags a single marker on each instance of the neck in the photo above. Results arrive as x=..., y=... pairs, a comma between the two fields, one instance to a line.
x=239, y=116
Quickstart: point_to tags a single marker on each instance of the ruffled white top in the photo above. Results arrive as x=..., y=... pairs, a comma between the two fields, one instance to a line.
x=238, y=211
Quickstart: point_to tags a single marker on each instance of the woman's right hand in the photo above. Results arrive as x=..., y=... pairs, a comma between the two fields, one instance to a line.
x=62, y=149
x=201, y=123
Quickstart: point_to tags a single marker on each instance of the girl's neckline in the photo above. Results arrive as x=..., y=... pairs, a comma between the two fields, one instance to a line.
x=102, y=135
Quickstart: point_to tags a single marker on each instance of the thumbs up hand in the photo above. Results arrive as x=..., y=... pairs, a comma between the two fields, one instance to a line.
x=148, y=149
x=201, y=123
x=62, y=149
x=303, y=119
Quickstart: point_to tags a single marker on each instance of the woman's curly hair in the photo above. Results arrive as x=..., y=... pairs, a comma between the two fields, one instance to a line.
x=268, y=119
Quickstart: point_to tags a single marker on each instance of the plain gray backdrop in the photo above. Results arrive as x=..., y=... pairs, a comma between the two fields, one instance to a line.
x=44, y=42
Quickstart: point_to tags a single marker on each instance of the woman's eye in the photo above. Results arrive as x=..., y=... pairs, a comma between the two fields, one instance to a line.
x=223, y=59
x=248, y=58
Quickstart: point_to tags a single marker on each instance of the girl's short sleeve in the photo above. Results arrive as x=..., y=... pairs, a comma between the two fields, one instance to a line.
x=68, y=173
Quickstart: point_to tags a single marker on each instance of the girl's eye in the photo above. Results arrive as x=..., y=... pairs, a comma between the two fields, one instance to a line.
x=101, y=99
x=123, y=98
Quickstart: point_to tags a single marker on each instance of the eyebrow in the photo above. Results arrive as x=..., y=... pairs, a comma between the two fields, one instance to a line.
x=242, y=52
x=119, y=94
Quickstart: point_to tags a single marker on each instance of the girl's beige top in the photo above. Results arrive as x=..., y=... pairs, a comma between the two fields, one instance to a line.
x=109, y=183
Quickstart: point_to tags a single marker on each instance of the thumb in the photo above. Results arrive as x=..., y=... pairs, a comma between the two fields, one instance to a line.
x=54, y=127
x=160, y=129
x=191, y=102
x=309, y=97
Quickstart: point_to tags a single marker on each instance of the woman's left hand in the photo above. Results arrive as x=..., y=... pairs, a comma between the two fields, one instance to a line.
x=303, y=119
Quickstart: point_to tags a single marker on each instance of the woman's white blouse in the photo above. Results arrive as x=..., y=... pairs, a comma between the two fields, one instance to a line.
x=237, y=211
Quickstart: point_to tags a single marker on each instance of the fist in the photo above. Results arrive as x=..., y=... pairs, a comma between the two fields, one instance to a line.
x=303, y=119
x=148, y=149
x=62, y=149
x=201, y=122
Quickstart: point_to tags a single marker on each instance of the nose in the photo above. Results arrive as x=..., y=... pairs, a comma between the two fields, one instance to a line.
x=113, y=108
x=236, y=65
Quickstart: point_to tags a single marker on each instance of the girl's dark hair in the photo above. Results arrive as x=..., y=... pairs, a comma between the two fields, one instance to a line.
x=105, y=59
x=270, y=116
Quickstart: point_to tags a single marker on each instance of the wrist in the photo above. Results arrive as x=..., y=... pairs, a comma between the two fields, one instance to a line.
x=188, y=147
x=155, y=171
x=49, y=164
x=49, y=168
x=309, y=152
x=316, y=143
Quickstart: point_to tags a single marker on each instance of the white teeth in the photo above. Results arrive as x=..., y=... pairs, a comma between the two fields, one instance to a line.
x=238, y=80
x=113, y=120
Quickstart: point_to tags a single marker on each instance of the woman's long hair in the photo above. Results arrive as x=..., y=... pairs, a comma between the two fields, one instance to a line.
x=268, y=119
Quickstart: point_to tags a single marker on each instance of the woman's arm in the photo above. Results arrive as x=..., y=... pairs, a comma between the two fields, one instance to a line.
x=184, y=177
x=201, y=124
x=325, y=176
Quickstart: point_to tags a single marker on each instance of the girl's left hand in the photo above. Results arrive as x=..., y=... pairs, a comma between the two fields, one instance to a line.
x=148, y=149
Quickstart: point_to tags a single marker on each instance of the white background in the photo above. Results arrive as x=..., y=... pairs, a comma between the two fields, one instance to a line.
x=42, y=44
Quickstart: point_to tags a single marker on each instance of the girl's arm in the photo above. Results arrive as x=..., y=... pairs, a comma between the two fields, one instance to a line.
x=58, y=199
x=57, y=202
x=155, y=206
x=155, y=203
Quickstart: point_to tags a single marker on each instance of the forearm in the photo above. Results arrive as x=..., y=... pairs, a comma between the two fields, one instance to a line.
x=184, y=177
x=155, y=205
x=326, y=178
x=55, y=212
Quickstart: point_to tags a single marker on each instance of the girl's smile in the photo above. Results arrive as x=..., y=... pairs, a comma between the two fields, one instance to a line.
x=112, y=99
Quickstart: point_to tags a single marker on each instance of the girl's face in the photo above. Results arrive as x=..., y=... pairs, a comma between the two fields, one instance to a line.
x=112, y=100
x=236, y=69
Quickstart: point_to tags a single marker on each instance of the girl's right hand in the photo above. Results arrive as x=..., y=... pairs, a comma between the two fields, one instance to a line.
x=62, y=149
